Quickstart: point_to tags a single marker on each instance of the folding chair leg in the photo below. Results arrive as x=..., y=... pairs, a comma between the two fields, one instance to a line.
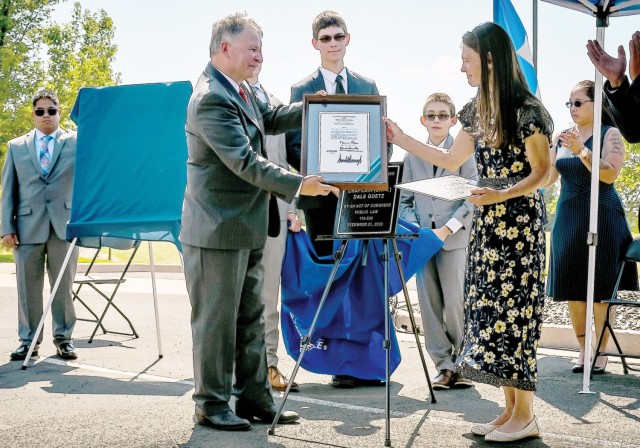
x=76, y=297
x=625, y=367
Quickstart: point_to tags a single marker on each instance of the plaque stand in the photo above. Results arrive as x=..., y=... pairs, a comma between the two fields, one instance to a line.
x=306, y=340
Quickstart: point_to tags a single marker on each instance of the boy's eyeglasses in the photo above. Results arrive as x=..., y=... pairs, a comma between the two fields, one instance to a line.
x=51, y=111
x=327, y=39
x=441, y=117
x=577, y=103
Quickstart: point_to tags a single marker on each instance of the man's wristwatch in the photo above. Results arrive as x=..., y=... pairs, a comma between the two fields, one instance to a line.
x=584, y=153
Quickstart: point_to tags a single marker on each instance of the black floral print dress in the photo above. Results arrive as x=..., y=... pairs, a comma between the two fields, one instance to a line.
x=504, y=292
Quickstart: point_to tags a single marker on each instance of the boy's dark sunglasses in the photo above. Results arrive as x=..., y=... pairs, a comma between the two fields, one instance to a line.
x=327, y=39
x=441, y=117
x=51, y=111
x=577, y=103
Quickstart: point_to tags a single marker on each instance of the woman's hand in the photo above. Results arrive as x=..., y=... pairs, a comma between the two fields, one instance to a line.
x=393, y=131
x=486, y=196
x=572, y=141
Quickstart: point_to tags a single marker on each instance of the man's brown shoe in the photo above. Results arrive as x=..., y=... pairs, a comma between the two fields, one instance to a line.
x=278, y=381
x=461, y=382
x=444, y=380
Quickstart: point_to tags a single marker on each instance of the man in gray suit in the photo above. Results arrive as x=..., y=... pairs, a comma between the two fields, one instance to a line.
x=330, y=38
x=440, y=282
x=37, y=181
x=275, y=146
x=224, y=226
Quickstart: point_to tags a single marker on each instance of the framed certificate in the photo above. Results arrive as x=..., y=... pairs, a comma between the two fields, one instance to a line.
x=344, y=140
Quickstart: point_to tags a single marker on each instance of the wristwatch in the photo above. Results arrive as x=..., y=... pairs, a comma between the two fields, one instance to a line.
x=584, y=153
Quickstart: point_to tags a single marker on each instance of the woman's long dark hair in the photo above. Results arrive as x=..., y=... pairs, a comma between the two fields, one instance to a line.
x=499, y=96
x=590, y=90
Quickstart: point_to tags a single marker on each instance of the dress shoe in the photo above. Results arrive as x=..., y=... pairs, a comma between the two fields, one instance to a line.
x=444, y=380
x=224, y=421
x=343, y=381
x=66, y=350
x=278, y=381
x=460, y=382
x=599, y=370
x=369, y=383
x=531, y=430
x=577, y=368
x=265, y=414
x=20, y=354
x=482, y=429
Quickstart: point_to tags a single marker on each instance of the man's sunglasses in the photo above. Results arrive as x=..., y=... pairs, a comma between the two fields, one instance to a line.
x=327, y=39
x=441, y=117
x=50, y=111
x=577, y=103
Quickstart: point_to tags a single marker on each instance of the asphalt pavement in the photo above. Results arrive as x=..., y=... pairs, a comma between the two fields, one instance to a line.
x=120, y=394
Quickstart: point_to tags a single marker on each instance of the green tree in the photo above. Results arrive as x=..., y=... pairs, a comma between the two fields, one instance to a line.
x=35, y=52
x=628, y=183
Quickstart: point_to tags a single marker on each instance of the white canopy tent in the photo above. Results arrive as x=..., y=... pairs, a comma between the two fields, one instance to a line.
x=601, y=10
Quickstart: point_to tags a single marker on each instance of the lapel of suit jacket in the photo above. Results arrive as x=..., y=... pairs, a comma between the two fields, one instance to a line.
x=447, y=144
x=57, y=147
x=353, y=84
x=248, y=110
x=31, y=148
x=317, y=82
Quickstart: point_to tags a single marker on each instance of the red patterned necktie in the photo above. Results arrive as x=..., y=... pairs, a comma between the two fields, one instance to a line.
x=244, y=96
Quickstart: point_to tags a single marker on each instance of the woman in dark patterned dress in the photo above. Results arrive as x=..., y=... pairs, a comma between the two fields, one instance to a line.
x=508, y=130
x=571, y=156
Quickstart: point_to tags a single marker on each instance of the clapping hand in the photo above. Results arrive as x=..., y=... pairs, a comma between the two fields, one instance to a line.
x=612, y=68
x=571, y=140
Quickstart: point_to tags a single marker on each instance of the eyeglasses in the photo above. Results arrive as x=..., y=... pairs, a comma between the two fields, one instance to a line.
x=327, y=39
x=441, y=117
x=50, y=111
x=577, y=103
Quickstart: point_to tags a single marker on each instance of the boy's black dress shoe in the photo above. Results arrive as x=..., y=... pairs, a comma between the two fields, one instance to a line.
x=265, y=414
x=343, y=381
x=20, y=354
x=66, y=350
x=224, y=421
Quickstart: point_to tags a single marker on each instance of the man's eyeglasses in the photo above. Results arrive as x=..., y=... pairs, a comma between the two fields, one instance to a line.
x=441, y=117
x=50, y=111
x=577, y=103
x=327, y=39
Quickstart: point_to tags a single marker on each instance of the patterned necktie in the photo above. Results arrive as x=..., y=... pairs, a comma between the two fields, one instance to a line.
x=44, y=156
x=244, y=96
x=339, y=87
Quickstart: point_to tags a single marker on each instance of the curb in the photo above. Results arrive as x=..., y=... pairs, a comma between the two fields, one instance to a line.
x=553, y=336
x=10, y=268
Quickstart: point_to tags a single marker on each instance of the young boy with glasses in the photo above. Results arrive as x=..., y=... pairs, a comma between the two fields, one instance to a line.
x=330, y=38
x=440, y=282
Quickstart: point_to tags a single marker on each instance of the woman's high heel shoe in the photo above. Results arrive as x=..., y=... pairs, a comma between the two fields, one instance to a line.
x=599, y=370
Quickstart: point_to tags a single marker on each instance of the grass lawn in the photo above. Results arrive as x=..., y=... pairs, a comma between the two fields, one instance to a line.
x=163, y=253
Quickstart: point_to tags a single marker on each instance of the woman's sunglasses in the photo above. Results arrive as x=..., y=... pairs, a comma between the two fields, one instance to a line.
x=577, y=103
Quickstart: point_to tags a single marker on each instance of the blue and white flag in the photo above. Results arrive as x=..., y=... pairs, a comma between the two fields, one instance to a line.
x=505, y=15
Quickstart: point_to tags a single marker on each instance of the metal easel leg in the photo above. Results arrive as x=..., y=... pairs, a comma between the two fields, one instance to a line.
x=387, y=342
x=398, y=257
x=306, y=340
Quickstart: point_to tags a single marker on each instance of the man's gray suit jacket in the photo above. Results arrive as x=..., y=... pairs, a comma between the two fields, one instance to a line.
x=228, y=175
x=31, y=204
x=424, y=210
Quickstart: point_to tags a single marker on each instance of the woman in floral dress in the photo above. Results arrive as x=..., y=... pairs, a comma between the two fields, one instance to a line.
x=508, y=130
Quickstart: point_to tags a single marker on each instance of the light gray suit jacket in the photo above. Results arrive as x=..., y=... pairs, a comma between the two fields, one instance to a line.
x=228, y=175
x=31, y=205
x=424, y=210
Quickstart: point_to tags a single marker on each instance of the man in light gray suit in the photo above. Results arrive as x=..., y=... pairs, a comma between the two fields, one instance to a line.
x=440, y=282
x=224, y=226
x=37, y=181
x=275, y=146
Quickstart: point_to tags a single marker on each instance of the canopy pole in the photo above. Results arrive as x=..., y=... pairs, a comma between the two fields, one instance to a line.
x=534, y=43
x=592, y=236
x=155, y=298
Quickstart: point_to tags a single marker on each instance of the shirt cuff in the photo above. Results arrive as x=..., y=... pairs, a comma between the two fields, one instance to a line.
x=454, y=225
